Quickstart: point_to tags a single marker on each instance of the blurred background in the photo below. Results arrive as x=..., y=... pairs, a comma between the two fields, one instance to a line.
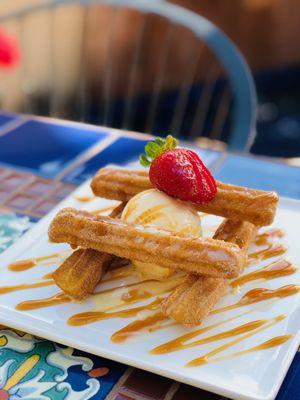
x=121, y=67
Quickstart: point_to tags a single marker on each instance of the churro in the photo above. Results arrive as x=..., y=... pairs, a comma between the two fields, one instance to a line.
x=240, y=233
x=80, y=273
x=147, y=244
x=232, y=202
x=193, y=300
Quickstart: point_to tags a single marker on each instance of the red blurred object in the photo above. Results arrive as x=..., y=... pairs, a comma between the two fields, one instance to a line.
x=9, y=50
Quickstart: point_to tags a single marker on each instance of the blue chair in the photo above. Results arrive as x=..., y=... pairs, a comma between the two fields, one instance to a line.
x=220, y=104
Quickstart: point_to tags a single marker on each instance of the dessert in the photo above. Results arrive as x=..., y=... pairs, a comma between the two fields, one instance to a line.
x=159, y=230
x=233, y=202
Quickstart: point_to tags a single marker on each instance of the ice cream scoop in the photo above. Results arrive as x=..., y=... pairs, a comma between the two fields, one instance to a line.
x=155, y=208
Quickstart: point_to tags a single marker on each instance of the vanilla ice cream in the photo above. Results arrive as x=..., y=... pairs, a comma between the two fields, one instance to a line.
x=155, y=208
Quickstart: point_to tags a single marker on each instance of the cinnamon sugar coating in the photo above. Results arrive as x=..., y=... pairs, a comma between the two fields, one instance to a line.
x=146, y=244
x=192, y=301
x=81, y=272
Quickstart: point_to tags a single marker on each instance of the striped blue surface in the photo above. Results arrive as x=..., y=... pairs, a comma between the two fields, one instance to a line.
x=122, y=151
x=4, y=119
x=261, y=174
x=45, y=148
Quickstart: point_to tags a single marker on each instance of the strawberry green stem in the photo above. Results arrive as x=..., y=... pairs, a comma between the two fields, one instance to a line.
x=155, y=148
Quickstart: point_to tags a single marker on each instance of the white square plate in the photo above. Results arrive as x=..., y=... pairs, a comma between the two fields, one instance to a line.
x=257, y=375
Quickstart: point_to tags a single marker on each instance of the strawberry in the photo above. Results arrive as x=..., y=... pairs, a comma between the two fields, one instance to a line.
x=178, y=172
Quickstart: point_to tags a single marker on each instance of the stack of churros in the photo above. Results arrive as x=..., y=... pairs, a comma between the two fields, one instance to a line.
x=208, y=263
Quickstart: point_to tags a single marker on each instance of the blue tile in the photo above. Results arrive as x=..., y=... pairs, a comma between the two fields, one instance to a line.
x=45, y=148
x=5, y=118
x=261, y=174
x=120, y=152
x=290, y=389
x=209, y=157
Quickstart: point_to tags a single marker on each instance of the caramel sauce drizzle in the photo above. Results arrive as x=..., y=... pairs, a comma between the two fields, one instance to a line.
x=23, y=265
x=25, y=286
x=179, y=342
x=154, y=324
x=264, y=238
x=149, y=215
x=134, y=327
x=251, y=330
x=130, y=209
x=272, y=250
x=271, y=271
x=140, y=291
x=261, y=294
x=121, y=272
x=135, y=293
x=104, y=209
x=85, y=199
x=249, y=326
x=94, y=316
x=58, y=298
x=268, y=344
x=48, y=276
x=158, y=327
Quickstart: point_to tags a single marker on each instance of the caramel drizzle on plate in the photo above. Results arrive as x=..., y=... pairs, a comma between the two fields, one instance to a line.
x=272, y=250
x=268, y=344
x=249, y=326
x=23, y=265
x=261, y=294
x=85, y=199
x=134, y=327
x=252, y=329
x=156, y=320
x=253, y=296
x=264, y=238
x=179, y=342
x=58, y=298
x=25, y=286
x=134, y=294
x=271, y=271
x=120, y=272
x=48, y=276
x=104, y=209
x=93, y=316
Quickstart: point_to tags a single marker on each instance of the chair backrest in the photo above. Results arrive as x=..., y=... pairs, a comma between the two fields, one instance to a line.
x=139, y=65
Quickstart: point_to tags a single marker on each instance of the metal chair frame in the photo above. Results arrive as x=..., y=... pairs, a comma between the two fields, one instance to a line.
x=241, y=81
